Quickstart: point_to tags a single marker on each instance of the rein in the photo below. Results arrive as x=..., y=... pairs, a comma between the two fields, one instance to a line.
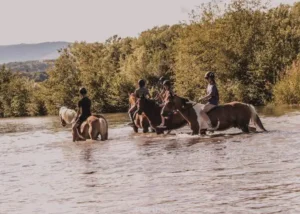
x=186, y=110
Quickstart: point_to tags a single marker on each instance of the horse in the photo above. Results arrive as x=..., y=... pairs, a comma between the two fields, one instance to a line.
x=152, y=111
x=67, y=116
x=223, y=117
x=140, y=120
x=94, y=126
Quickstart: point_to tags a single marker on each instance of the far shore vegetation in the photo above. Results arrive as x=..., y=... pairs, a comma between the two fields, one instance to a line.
x=253, y=49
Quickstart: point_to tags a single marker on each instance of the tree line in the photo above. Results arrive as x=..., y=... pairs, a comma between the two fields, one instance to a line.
x=252, y=49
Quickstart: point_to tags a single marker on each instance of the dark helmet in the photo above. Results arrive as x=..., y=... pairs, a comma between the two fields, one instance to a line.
x=167, y=83
x=142, y=83
x=161, y=79
x=83, y=91
x=209, y=75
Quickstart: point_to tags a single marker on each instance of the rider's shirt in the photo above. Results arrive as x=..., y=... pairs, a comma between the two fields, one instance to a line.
x=167, y=94
x=213, y=91
x=141, y=91
x=85, y=105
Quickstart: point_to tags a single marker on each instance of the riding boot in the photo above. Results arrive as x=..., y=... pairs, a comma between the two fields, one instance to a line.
x=162, y=125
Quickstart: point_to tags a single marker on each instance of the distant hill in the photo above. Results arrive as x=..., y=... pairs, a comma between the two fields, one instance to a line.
x=29, y=52
x=30, y=66
x=35, y=70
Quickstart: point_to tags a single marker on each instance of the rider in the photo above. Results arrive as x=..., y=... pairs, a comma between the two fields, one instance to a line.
x=212, y=99
x=139, y=92
x=160, y=96
x=167, y=92
x=84, y=111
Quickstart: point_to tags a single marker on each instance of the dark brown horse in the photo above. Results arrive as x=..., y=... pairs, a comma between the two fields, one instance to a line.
x=140, y=121
x=152, y=111
x=235, y=114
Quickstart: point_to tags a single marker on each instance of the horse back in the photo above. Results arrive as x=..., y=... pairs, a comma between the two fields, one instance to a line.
x=233, y=114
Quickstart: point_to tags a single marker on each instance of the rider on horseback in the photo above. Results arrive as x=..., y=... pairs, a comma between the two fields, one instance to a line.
x=212, y=99
x=167, y=92
x=139, y=92
x=160, y=95
x=84, y=111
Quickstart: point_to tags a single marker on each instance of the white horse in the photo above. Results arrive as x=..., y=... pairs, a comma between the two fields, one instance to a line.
x=67, y=116
x=94, y=126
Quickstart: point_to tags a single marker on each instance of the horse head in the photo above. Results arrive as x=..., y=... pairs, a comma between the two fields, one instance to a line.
x=62, y=112
x=175, y=102
x=62, y=122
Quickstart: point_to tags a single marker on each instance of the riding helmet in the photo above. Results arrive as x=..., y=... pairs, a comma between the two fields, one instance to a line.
x=209, y=75
x=167, y=83
x=82, y=91
x=142, y=83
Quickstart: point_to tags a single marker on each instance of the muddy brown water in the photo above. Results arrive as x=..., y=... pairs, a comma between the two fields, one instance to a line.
x=42, y=171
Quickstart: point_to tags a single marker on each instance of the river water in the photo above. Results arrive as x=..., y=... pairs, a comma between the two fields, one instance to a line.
x=43, y=171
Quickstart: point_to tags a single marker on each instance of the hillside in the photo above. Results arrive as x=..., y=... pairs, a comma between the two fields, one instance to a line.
x=35, y=70
x=29, y=52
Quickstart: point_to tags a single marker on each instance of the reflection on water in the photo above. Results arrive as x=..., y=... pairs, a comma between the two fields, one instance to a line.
x=277, y=111
x=42, y=171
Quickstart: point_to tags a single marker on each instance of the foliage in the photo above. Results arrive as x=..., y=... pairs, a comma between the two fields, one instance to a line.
x=287, y=90
x=247, y=47
x=14, y=93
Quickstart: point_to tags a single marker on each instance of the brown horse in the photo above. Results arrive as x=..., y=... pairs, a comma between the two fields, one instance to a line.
x=222, y=117
x=140, y=121
x=152, y=110
x=94, y=126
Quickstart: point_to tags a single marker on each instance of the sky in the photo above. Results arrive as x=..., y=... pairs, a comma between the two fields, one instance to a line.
x=35, y=21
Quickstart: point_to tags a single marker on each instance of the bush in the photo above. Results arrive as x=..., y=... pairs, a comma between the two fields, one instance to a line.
x=287, y=90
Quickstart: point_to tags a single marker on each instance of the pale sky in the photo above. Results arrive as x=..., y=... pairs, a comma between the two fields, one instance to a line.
x=34, y=21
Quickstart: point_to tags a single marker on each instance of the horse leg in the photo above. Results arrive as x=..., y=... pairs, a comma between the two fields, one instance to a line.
x=245, y=129
x=203, y=132
x=102, y=137
x=145, y=125
x=74, y=136
x=195, y=129
x=195, y=132
x=91, y=133
x=136, y=120
x=75, y=132
x=244, y=125
x=94, y=127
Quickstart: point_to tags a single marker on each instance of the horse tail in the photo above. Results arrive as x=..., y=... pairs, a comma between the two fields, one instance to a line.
x=103, y=127
x=255, y=118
